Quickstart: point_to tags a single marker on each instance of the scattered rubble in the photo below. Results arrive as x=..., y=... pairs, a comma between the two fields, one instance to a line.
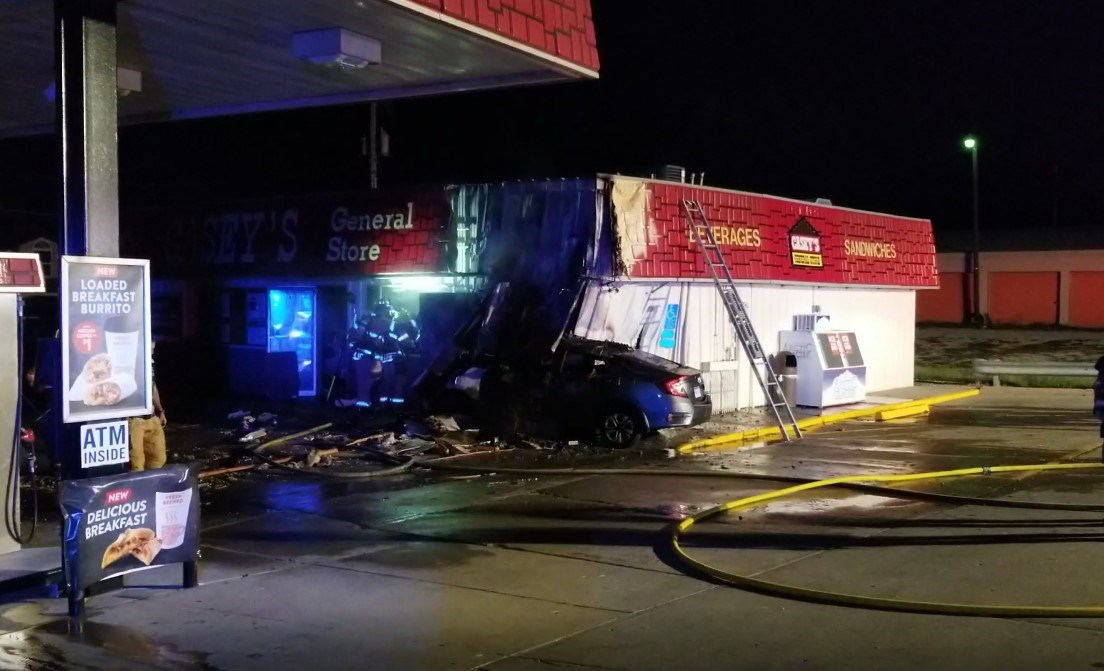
x=356, y=443
x=443, y=424
x=253, y=436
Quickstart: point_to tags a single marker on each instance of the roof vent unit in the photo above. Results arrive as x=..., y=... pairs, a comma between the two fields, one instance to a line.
x=672, y=173
x=337, y=47
x=823, y=201
x=814, y=322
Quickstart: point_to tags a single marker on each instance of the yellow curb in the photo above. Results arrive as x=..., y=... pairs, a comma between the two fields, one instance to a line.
x=935, y=400
x=901, y=413
x=732, y=440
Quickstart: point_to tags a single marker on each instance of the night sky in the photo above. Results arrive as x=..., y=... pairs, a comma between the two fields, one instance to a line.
x=865, y=103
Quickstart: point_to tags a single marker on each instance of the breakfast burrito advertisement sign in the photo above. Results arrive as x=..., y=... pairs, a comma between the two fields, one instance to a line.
x=121, y=523
x=106, y=352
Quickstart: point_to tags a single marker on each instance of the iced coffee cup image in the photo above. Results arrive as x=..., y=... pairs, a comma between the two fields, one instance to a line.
x=123, y=335
x=172, y=517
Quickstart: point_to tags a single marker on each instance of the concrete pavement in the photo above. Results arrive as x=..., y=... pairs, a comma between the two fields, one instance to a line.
x=568, y=572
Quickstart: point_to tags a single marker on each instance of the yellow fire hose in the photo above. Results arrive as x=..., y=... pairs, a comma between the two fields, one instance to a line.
x=877, y=603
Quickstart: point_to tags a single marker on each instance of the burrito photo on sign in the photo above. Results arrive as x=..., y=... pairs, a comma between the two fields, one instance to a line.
x=110, y=392
x=97, y=369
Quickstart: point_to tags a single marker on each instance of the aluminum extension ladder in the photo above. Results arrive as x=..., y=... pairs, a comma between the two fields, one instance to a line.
x=702, y=232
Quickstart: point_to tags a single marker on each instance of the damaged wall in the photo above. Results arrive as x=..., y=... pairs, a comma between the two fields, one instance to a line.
x=635, y=313
x=635, y=230
x=542, y=238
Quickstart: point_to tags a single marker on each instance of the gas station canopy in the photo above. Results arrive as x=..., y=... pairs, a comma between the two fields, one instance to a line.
x=180, y=59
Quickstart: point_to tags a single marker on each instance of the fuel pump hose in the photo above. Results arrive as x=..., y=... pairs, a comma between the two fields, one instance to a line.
x=11, y=495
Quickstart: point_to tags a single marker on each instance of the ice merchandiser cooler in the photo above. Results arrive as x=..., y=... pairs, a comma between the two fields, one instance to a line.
x=291, y=326
x=830, y=367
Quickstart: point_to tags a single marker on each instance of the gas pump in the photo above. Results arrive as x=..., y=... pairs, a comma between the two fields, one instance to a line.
x=19, y=274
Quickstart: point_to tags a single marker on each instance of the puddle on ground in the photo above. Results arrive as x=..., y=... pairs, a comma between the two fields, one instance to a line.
x=796, y=506
x=51, y=647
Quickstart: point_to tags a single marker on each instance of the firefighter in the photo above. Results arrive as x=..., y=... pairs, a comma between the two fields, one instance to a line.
x=382, y=348
x=405, y=331
x=406, y=336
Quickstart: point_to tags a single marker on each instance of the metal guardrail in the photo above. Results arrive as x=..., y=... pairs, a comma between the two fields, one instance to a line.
x=1051, y=368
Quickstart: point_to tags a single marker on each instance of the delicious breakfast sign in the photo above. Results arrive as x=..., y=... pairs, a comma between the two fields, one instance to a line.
x=121, y=523
x=106, y=331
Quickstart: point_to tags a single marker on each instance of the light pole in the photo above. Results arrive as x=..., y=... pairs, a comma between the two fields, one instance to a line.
x=971, y=145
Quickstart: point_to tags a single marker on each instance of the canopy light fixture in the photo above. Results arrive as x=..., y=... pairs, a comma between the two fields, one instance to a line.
x=337, y=47
x=127, y=82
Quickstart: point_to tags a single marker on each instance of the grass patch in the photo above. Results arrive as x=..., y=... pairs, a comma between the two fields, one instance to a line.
x=966, y=375
x=1010, y=327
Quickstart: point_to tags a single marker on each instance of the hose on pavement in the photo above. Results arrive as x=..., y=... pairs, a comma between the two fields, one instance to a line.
x=877, y=603
x=852, y=482
x=854, y=485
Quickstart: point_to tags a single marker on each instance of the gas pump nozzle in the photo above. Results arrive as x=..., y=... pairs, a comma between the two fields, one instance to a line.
x=27, y=436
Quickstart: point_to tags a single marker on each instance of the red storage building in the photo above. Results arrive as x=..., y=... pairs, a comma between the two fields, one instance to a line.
x=1043, y=277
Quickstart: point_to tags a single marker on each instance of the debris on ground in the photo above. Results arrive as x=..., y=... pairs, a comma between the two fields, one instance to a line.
x=413, y=447
x=440, y=424
x=328, y=438
x=316, y=456
x=451, y=448
x=379, y=440
x=253, y=436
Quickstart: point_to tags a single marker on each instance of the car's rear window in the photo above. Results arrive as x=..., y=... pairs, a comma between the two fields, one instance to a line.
x=648, y=359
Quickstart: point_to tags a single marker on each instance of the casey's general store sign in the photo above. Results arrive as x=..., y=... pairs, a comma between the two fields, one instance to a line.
x=326, y=235
x=764, y=238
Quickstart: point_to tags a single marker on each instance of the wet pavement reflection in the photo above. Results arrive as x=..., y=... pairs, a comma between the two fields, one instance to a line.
x=432, y=538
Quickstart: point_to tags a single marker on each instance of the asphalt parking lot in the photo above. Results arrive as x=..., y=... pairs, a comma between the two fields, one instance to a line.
x=520, y=573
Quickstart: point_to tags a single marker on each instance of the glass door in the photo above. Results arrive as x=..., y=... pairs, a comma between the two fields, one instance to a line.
x=291, y=328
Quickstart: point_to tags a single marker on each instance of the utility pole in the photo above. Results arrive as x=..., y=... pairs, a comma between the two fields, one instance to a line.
x=975, y=309
x=373, y=146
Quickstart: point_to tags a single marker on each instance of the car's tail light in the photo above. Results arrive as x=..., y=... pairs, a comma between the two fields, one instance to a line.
x=676, y=386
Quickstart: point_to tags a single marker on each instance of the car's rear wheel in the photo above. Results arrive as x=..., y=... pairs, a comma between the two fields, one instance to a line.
x=620, y=428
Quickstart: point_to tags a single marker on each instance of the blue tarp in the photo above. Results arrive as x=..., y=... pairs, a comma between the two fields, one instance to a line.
x=541, y=238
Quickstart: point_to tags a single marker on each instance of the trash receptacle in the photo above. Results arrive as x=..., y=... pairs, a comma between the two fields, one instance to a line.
x=788, y=379
x=785, y=369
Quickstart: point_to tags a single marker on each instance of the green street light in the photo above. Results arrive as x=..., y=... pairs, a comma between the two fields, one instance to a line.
x=975, y=310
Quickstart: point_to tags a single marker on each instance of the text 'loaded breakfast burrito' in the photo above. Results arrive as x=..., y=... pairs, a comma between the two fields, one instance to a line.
x=143, y=544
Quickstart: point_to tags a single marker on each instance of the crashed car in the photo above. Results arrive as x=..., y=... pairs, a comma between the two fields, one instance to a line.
x=609, y=390
x=624, y=393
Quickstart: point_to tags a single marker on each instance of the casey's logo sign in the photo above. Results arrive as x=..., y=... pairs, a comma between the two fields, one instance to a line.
x=805, y=248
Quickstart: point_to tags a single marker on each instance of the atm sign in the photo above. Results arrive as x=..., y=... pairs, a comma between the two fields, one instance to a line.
x=104, y=444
